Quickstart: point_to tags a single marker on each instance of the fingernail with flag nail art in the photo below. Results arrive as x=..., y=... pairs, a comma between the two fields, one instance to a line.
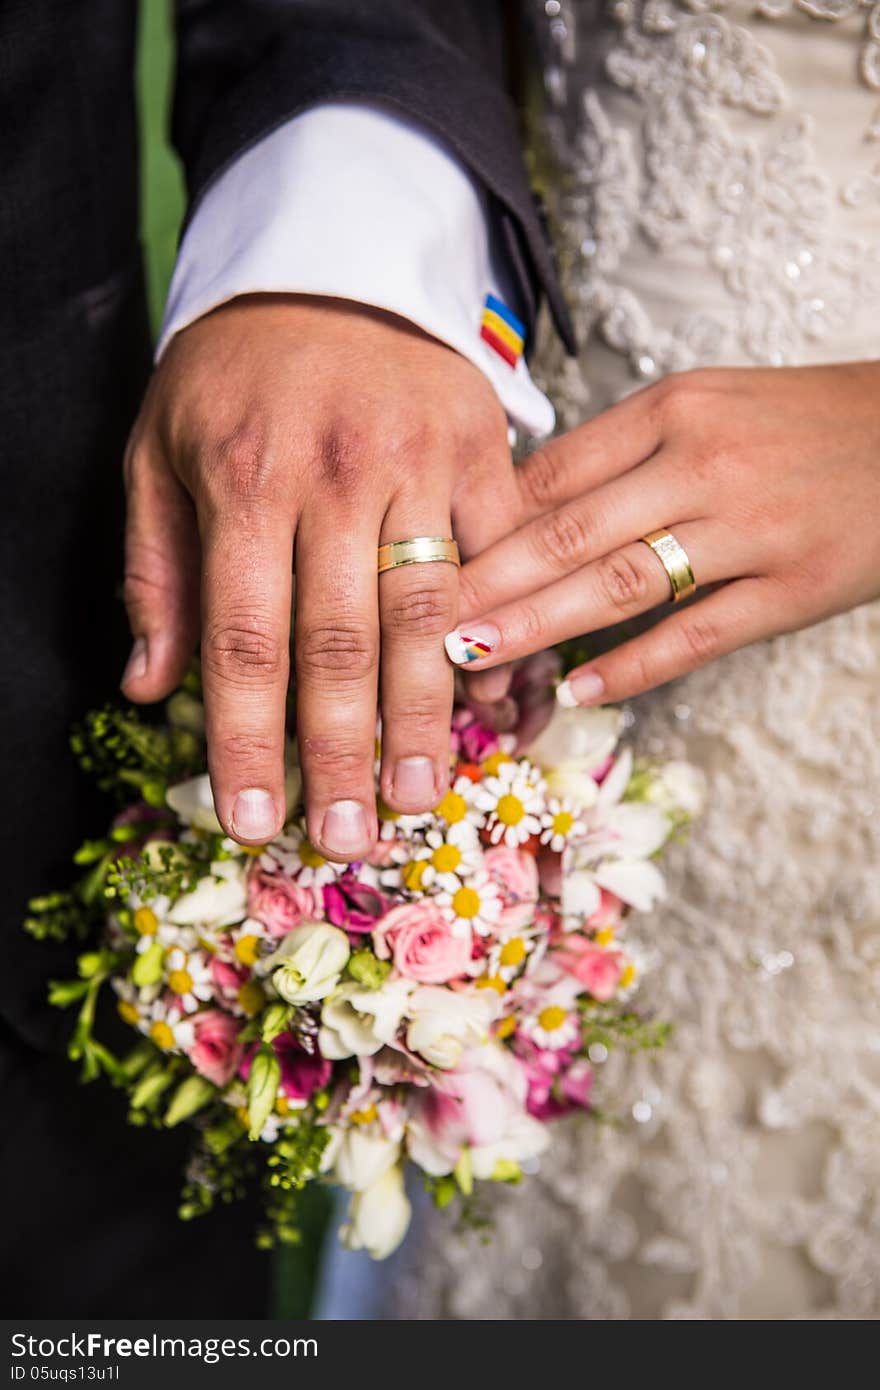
x=475, y=643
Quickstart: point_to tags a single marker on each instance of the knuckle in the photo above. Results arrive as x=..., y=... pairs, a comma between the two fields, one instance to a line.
x=243, y=750
x=244, y=648
x=343, y=457
x=470, y=597
x=564, y=537
x=531, y=626
x=622, y=583
x=239, y=464
x=538, y=477
x=347, y=652
x=701, y=640
x=337, y=758
x=425, y=609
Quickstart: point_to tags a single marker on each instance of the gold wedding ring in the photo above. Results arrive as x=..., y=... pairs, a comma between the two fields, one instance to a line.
x=674, y=559
x=422, y=550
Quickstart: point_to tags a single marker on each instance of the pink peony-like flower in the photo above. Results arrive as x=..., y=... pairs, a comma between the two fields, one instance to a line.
x=609, y=913
x=422, y=943
x=557, y=1083
x=516, y=874
x=471, y=740
x=353, y=905
x=597, y=970
x=227, y=978
x=280, y=903
x=216, y=1051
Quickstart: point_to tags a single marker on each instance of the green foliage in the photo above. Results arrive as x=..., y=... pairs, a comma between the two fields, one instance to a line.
x=296, y=1155
x=128, y=757
x=601, y=1024
x=58, y=916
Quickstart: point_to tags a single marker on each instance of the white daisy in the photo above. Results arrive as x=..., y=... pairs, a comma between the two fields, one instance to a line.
x=133, y=1004
x=150, y=928
x=560, y=823
x=553, y=1027
x=458, y=805
x=444, y=860
x=188, y=976
x=166, y=1027
x=513, y=802
x=475, y=905
x=508, y=957
x=248, y=942
x=299, y=859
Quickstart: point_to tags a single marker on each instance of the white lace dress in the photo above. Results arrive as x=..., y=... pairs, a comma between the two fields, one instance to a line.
x=717, y=187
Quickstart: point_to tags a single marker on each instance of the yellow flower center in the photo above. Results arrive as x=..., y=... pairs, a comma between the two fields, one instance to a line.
x=506, y=1027
x=452, y=809
x=384, y=811
x=492, y=982
x=552, y=1018
x=251, y=997
x=253, y=850
x=562, y=822
x=446, y=858
x=310, y=857
x=412, y=874
x=282, y=1105
x=510, y=809
x=162, y=1035
x=365, y=1116
x=247, y=949
x=180, y=982
x=604, y=936
x=146, y=923
x=466, y=903
x=513, y=952
x=127, y=1012
x=491, y=764
x=627, y=975
x=242, y=1114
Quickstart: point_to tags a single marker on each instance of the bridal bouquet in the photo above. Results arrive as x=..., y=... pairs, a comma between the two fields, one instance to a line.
x=436, y=1005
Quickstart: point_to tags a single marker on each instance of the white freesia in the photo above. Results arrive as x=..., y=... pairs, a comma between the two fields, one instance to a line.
x=363, y=1156
x=632, y=830
x=445, y=1023
x=357, y=1022
x=572, y=746
x=525, y=1138
x=217, y=900
x=378, y=1218
x=307, y=965
x=637, y=882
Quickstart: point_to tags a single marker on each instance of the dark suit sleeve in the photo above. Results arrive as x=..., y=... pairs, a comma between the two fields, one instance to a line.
x=246, y=66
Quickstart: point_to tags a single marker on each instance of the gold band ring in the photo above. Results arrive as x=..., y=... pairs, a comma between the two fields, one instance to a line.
x=422, y=550
x=674, y=559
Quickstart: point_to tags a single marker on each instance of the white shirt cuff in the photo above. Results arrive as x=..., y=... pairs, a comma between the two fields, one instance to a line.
x=354, y=202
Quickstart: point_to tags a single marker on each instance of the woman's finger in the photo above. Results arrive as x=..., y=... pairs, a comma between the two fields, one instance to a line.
x=620, y=585
x=161, y=576
x=417, y=604
x=732, y=617
x=564, y=540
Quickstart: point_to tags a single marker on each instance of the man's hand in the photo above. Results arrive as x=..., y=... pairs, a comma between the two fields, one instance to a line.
x=285, y=432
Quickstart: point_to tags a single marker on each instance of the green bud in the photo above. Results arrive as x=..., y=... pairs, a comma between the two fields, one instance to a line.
x=149, y=1089
x=134, y=1062
x=218, y=1138
x=186, y=713
x=62, y=993
x=506, y=1170
x=367, y=970
x=443, y=1192
x=263, y=1082
x=275, y=1020
x=153, y=793
x=189, y=1097
x=463, y=1172
x=147, y=968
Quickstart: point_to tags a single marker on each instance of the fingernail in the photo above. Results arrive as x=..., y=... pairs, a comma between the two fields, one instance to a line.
x=584, y=689
x=345, y=828
x=136, y=666
x=253, y=815
x=473, y=643
x=413, y=782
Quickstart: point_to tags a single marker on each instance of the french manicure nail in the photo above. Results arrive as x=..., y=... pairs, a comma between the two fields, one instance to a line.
x=413, y=782
x=472, y=643
x=587, y=688
x=136, y=666
x=345, y=828
x=253, y=815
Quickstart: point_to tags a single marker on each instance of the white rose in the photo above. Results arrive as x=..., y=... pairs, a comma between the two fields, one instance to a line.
x=216, y=901
x=378, y=1218
x=679, y=787
x=362, y=1157
x=308, y=963
x=445, y=1023
x=572, y=746
x=357, y=1022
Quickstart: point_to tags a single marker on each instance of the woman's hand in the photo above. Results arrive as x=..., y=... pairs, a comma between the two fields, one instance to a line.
x=769, y=479
x=280, y=425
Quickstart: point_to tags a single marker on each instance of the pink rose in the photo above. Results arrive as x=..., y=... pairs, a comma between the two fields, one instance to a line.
x=216, y=1051
x=597, y=970
x=477, y=1104
x=421, y=940
x=516, y=874
x=353, y=905
x=279, y=902
x=471, y=740
x=227, y=978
